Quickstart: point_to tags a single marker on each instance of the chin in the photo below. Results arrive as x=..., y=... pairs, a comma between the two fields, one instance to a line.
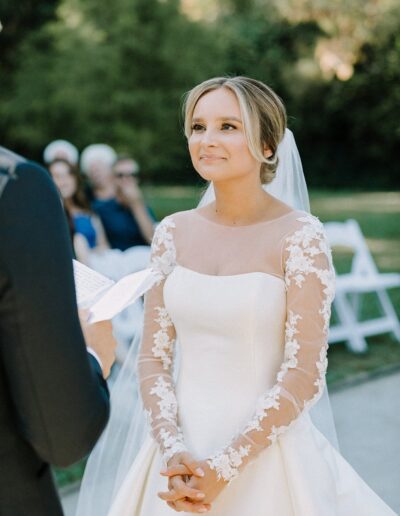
x=221, y=177
x=206, y=175
x=214, y=175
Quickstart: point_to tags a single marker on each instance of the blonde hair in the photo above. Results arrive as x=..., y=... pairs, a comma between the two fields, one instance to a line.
x=263, y=115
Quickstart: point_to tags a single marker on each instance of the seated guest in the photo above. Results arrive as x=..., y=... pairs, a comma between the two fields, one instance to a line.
x=61, y=149
x=118, y=200
x=86, y=228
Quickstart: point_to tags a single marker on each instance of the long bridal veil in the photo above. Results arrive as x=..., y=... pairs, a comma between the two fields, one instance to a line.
x=119, y=444
x=127, y=429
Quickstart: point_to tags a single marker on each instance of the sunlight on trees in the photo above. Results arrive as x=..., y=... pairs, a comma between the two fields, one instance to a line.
x=91, y=70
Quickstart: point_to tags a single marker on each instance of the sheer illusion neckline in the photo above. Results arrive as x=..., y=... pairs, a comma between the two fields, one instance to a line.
x=255, y=224
x=268, y=274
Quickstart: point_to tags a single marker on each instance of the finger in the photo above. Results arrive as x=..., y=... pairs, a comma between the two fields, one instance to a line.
x=183, y=490
x=179, y=469
x=186, y=459
x=193, y=466
x=186, y=506
x=168, y=496
x=83, y=314
x=172, y=505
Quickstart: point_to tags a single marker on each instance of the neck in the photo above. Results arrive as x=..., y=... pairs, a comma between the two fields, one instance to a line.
x=105, y=191
x=240, y=202
x=69, y=204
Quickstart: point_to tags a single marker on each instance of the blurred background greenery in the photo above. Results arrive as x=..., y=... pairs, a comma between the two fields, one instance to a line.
x=115, y=72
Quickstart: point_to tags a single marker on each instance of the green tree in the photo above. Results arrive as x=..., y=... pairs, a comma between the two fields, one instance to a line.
x=113, y=73
x=261, y=44
x=92, y=71
x=18, y=20
x=352, y=138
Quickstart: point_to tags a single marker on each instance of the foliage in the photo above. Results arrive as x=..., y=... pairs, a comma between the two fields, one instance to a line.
x=356, y=133
x=260, y=44
x=91, y=71
x=19, y=19
x=70, y=475
x=113, y=73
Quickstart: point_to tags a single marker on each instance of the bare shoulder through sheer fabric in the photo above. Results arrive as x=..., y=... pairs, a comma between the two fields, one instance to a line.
x=211, y=248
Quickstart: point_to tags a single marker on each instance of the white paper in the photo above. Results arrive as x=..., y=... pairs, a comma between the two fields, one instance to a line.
x=89, y=284
x=104, y=297
x=125, y=292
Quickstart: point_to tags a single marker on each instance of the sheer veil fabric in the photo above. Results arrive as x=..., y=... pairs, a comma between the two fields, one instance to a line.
x=127, y=429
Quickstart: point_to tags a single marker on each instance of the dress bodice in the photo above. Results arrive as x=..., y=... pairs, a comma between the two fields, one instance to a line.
x=233, y=325
x=231, y=333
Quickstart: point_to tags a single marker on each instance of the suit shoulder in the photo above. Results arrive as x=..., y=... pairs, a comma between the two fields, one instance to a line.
x=29, y=181
x=34, y=171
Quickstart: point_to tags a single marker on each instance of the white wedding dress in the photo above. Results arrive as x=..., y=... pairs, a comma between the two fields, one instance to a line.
x=248, y=307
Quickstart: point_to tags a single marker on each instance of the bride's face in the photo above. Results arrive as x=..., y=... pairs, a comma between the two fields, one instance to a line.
x=217, y=144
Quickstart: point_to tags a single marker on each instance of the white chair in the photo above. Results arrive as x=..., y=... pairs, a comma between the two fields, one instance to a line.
x=363, y=278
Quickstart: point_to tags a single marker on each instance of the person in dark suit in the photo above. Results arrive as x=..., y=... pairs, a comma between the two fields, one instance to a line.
x=54, y=401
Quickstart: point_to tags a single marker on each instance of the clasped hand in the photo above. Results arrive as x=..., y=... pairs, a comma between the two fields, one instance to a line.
x=192, y=485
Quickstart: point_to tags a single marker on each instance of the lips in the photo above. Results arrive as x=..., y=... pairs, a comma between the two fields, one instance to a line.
x=210, y=157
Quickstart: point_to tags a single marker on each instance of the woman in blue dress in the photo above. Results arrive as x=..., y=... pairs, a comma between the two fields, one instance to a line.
x=87, y=231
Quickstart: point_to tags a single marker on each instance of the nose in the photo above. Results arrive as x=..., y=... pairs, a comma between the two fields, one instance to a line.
x=209, y=137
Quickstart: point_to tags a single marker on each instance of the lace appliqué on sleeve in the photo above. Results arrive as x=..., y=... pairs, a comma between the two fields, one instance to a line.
x=303, y=246
x=172, y=441
x=168, y=405
x=227, y=464
x=156, y=357
x=163, y=344
x=163, y=258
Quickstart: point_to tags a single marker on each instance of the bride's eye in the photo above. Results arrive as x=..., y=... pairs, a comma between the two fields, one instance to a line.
x=228, y=127
x=197, y=127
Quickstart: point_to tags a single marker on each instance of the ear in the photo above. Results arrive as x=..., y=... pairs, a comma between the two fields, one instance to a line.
x=267, y=151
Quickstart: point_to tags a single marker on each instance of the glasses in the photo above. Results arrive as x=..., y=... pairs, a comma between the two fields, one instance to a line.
x=121, y=175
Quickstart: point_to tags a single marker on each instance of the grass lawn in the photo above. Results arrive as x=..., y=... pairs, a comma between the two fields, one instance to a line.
x=378, y=214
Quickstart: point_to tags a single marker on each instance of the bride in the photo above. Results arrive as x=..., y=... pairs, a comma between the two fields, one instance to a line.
x=242, y=302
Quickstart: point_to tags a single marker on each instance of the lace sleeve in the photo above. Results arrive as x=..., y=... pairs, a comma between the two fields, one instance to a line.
x=309, y=280
x=155, y=361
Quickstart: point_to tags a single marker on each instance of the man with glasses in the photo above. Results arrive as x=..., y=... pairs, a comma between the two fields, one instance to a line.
x=129, y=195
x=117, y=198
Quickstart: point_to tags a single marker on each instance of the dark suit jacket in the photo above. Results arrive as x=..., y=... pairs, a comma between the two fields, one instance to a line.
x=53, y=400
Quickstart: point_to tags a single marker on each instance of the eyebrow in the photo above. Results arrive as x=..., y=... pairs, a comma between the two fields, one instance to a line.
x=223, y=118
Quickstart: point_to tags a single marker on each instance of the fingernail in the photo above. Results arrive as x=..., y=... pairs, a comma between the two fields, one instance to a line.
x=203, y=509
x=200, y=495
x=200, y=472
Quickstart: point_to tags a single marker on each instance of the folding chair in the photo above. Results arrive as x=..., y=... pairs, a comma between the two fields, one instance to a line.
x=363, y=278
